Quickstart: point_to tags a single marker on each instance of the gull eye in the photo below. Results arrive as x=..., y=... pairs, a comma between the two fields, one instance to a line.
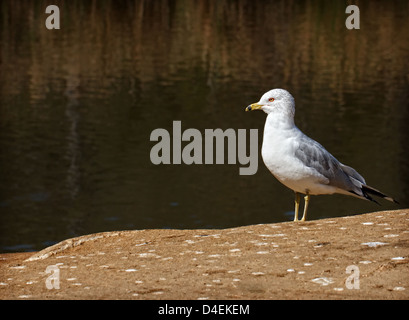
x=271, y=99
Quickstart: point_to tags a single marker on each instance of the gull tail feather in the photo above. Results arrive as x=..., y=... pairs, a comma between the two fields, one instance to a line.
x=367, y=191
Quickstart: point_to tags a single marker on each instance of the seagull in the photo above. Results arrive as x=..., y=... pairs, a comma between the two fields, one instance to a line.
x=301, y=163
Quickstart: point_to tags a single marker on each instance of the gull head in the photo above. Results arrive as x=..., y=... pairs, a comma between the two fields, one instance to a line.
x=275, y=101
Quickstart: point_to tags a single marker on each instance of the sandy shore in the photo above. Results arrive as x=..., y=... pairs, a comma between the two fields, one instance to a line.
x=357, y=257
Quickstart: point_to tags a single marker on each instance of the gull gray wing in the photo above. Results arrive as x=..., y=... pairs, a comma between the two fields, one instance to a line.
x=354, y=175
x=315, y=156
x=338, y=175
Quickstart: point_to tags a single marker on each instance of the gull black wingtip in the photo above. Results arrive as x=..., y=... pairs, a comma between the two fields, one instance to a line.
x=369, y=190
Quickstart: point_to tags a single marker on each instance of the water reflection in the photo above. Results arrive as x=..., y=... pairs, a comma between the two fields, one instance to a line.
x=78, y=106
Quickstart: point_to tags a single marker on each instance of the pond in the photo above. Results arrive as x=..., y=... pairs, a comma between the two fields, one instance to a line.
x=78, y=106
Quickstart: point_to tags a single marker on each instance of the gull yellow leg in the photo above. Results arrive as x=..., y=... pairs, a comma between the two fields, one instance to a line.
x=297, y=206
x=306, y=201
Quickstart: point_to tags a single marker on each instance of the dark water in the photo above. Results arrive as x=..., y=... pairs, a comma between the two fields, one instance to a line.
x=78, y=105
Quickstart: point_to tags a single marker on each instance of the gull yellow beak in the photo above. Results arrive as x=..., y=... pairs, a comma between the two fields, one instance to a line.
x=254, y=106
